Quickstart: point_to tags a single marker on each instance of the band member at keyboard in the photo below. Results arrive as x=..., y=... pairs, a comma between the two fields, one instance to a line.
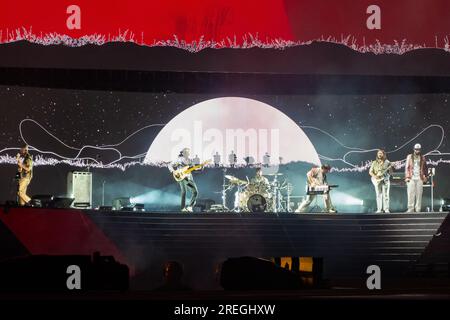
x=415, y=177
x=317, y=177
x=380, y=171
x=188, y=182
x=25, y=173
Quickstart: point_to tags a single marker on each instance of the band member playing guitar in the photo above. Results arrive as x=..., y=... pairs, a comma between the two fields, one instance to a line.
x=25, y=173
x=182, y=172
x=380, y=171
x=317, y=177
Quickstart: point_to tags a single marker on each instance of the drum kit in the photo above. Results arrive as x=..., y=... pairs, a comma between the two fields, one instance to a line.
x=258, y=195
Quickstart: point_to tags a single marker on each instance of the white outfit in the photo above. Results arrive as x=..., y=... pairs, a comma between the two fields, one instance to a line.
x=382, y=195
x=415, y=191
x=415, y=188
x=266, y=160
x=383, y=187
x=196, y=160
x=232, y=159
x=216, y=159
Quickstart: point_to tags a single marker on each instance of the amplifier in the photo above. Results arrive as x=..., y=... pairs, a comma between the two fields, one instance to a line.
x=79, y=187
x=398, y=179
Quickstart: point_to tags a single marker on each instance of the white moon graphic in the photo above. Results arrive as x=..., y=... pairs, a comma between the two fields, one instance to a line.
x=245, y=126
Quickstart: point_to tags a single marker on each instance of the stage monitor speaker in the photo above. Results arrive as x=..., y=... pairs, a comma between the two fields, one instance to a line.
x=61, y=202
x=121, y=203
x=105, y=208
x=42, y=200
x=79, y=187
x=49, y=201
x=398, y=179
x=203, y=205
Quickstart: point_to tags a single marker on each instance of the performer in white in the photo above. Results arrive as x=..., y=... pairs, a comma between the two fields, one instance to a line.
x=266, y=159
x=380, y=171
x=196, y=160
x=232, y=159
x=216, y=158
x=415, y=177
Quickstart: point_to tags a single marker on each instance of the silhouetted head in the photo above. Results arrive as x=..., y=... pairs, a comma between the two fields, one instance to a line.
x=173, y=271
x=259, y=172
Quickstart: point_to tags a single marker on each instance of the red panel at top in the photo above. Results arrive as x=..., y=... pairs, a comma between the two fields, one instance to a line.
x=230, y=23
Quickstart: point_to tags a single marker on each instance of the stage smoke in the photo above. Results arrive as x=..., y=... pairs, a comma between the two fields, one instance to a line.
x=346, y=199
x=154, y=196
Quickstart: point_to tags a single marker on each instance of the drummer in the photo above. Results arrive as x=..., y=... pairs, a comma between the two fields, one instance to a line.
x=259, y=179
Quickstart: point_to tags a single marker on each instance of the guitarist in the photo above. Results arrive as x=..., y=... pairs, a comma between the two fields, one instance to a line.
x=25, y=174
x=188, y=182
x=380, y=171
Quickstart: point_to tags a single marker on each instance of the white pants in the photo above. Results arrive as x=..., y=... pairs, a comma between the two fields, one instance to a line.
x=310, y=198
x=382, y=195
x=415, y=190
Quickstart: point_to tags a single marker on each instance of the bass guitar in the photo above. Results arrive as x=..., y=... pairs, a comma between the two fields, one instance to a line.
x=183, y=172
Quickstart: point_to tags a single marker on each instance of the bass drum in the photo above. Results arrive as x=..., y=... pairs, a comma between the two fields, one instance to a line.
x=257, y=203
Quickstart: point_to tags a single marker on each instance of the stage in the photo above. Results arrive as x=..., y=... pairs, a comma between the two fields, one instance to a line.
x=398, y=243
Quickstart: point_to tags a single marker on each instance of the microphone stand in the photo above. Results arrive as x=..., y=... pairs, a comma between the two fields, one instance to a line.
x=224, y=191
x=103, y=193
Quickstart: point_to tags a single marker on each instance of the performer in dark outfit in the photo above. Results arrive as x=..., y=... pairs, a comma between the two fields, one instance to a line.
x=188, y=182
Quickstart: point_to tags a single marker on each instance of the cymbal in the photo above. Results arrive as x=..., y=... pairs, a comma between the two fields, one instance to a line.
x=235, y=180
x=274, y=174
x=231, y=177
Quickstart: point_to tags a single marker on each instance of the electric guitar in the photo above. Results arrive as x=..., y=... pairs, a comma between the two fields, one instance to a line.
x=183, y=172
x=382, y=177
